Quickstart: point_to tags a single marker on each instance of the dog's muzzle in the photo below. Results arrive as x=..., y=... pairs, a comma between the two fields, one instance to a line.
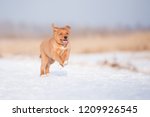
x=65, y=41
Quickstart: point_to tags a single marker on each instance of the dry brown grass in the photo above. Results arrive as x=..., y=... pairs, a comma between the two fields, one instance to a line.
x=117, y=65
x=19, y=46
x=130, y=42
x=136, y=41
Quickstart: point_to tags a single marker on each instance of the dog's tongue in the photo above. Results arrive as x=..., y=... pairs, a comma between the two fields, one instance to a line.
x=65, y=42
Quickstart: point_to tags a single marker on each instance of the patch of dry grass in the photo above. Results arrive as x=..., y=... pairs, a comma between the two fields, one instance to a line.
x=19, y=46
x=136, y=41
x=117, y=65
x=130, y=42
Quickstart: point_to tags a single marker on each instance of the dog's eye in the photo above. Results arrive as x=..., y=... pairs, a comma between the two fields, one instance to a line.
x=60, y=33
x=67, y=33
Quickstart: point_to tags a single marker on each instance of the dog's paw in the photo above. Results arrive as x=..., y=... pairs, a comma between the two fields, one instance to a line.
x=62, y=65
x=66, y=63
x=44, y=75
x=47, y=74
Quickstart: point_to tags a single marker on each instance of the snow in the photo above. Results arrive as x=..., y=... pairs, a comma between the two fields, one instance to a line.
x=87, y=76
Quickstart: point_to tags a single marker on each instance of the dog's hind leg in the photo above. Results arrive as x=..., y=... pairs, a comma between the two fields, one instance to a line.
x=50, y=61
x=47, y=69
x=42, y=70
x=44, y=63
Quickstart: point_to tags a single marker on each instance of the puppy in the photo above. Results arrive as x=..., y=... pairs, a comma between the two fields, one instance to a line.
x=55, y=49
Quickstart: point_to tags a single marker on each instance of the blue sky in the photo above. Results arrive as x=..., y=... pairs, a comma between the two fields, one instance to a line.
x=107, y=13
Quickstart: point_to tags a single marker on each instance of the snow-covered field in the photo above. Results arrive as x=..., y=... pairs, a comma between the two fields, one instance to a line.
x=87, y=76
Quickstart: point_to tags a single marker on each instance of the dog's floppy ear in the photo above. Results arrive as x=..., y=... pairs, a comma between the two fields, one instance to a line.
x=53, y=25
x=68, y=27
x=54, y=28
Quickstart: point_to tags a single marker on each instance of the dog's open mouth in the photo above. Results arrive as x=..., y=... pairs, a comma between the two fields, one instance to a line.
x=65, y=41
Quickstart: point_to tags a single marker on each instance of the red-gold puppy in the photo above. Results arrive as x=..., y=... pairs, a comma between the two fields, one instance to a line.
x=55, y=49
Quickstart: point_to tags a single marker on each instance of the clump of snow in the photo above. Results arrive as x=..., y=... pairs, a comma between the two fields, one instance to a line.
x=87, y=76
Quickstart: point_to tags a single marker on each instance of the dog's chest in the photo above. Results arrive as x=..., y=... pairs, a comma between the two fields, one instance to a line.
x=61, y=50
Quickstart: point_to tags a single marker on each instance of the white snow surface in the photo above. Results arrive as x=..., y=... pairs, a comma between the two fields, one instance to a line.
x=84, y=78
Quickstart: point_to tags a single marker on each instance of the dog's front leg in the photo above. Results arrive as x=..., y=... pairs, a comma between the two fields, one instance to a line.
x=64, y=58
x=59, y=59
x=67, y=57
x=61, y=62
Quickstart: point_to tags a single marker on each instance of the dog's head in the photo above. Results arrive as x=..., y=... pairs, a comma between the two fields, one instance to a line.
x=61, y=34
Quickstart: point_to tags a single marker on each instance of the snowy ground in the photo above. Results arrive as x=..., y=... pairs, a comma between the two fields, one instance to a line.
x=92, y=76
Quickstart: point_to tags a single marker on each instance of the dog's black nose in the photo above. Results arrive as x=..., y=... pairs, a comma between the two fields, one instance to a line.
x=65, y=37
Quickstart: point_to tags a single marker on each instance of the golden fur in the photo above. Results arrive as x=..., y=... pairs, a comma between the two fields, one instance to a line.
x=55, y=49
